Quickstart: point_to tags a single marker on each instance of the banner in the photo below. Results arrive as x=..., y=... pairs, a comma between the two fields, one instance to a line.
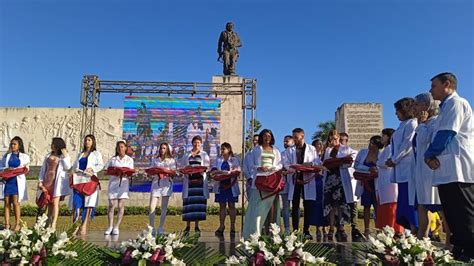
x=150, y=121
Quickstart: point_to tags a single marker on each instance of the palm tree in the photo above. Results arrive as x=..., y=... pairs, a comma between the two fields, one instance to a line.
x=249, y=134
x=323, y=132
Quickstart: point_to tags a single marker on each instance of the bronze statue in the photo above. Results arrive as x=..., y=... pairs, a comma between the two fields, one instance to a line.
x=227, y=46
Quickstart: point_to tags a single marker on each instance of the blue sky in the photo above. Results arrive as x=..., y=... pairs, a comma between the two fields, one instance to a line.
x=309, y=57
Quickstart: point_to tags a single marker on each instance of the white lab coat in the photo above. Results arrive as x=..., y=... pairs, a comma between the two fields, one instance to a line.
x=94, y=161
x=205, y=162
x=359, y=166
x=347, y=171
x=117, y=189
x=256, y=161
x=234, y=165
x=402, y=150
x=20, y=179
x=61, y=182
x=457, y=160
x=387, y=192
x=310, y=156
x=162, y=187
x=423, y=178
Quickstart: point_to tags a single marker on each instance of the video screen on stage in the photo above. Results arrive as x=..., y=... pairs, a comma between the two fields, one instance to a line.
x=149, y=121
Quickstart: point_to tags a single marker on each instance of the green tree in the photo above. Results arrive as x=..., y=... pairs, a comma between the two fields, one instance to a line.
x=323, y=130
x=249, y=134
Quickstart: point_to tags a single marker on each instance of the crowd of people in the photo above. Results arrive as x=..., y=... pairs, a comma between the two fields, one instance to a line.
x=420, y=173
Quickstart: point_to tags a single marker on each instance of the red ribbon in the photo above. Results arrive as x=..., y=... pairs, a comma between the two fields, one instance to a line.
x=127, y=257
x=292, y=261
x=158, y=256
x=258, y=259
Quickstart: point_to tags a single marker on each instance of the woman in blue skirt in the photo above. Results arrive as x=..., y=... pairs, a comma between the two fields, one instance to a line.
x=227, y=191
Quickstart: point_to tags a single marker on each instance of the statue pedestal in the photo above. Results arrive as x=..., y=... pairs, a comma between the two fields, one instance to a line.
x=231, y=114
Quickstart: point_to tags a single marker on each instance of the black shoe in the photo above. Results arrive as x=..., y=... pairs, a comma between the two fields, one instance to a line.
x=307, y=235
x=187, y=229
x=218, y=232
x=356, y=235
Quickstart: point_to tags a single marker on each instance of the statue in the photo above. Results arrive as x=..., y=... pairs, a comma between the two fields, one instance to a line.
x=228, y=43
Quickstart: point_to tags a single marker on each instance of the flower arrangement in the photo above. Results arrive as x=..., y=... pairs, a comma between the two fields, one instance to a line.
x=275, y=249
x=34, y=246
x=405, y=249
x=155, y=250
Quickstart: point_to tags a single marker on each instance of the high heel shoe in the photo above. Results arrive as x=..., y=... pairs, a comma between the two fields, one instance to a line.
x=318, y=236
x=330, y=236
x=219, y=232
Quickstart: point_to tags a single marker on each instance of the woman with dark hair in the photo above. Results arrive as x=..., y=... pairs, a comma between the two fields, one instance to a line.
x=335, y=192
x=53, y=177
x=118, y=187
x=90, y=162
x=14, y=190
x=427, y=198
x=227, y=191
x=402, y=159
x=366, y=161
x=162, y=186
x=385, y=190
x=195, y=186
x=265, y=159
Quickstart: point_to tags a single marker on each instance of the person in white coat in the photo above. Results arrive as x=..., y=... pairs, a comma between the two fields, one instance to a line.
x=14, y=189
x=195, y=186
x=54, y=178
x=161, y=187
x=265, y=158
x=302, y=185
x=246, y=170
x=356, y=235
x=338, y=186
x=426, y=198
x=451, y=157
x=89, y=161
x=366, y=161
x=385, y=190
x=285, y=202
x=402, y=159
x=226, y=192
x=118, y=187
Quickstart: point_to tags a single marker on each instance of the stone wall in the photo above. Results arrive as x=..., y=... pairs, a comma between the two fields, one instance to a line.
x=361, y=121
x=37, y=126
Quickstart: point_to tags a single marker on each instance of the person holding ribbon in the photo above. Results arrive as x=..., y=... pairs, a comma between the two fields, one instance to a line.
x=226, y=188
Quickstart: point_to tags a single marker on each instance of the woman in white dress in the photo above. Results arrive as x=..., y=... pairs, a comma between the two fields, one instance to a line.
x=89, y=161
x=427, y=198
x=161, y=187
x=118, y=187
x=53, y=177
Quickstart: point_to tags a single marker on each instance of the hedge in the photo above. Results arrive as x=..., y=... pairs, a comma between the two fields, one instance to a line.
x=29, y=210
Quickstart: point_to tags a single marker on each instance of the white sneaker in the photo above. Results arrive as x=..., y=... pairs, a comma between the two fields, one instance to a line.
x=115, y=231
x=108, y=231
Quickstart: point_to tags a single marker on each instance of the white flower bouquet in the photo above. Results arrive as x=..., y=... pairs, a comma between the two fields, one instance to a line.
x=147, y=249
x=387, y=248
x=34, y=246
x=275, y=249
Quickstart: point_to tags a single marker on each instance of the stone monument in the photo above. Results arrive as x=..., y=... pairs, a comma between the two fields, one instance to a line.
x=361, y=121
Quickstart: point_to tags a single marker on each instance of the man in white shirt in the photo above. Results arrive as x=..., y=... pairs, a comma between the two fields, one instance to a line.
x=451, y=156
